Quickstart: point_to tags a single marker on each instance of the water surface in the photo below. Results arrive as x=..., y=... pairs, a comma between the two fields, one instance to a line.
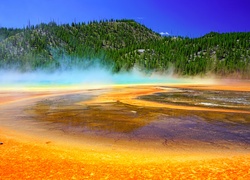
x=117, y=121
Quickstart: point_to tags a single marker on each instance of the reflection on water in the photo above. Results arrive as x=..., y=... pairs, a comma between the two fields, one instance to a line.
x=189, y=97
x=117, y=120
x=106, y=117
x=124, y=121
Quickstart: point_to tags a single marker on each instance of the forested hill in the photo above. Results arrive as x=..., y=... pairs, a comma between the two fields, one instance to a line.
x=121, y=45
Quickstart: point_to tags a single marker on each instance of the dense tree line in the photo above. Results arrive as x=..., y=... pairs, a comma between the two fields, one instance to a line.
x=121, y=45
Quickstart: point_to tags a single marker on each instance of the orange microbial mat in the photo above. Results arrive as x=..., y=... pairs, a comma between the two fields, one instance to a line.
x=126, y=132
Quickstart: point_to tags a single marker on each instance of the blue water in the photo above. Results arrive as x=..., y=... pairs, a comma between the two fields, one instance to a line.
x=88, y=77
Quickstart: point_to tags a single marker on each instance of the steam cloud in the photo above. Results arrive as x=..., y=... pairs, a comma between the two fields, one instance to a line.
x=84, y=74
x=93, y=75
x=86, y=77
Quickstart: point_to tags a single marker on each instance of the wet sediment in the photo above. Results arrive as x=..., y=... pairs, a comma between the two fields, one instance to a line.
x=126, y=133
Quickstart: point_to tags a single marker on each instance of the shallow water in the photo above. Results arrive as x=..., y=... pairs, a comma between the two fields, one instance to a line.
x=204, y=98
x=125, y=122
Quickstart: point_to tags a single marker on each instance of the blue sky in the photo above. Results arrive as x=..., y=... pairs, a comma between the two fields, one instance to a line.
x=191, y=18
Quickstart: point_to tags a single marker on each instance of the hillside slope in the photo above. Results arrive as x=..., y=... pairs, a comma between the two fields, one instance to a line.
x=121, y=45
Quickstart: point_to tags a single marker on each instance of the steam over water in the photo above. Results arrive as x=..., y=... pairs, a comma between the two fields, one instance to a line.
x=90, y=76
x=184, y=116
